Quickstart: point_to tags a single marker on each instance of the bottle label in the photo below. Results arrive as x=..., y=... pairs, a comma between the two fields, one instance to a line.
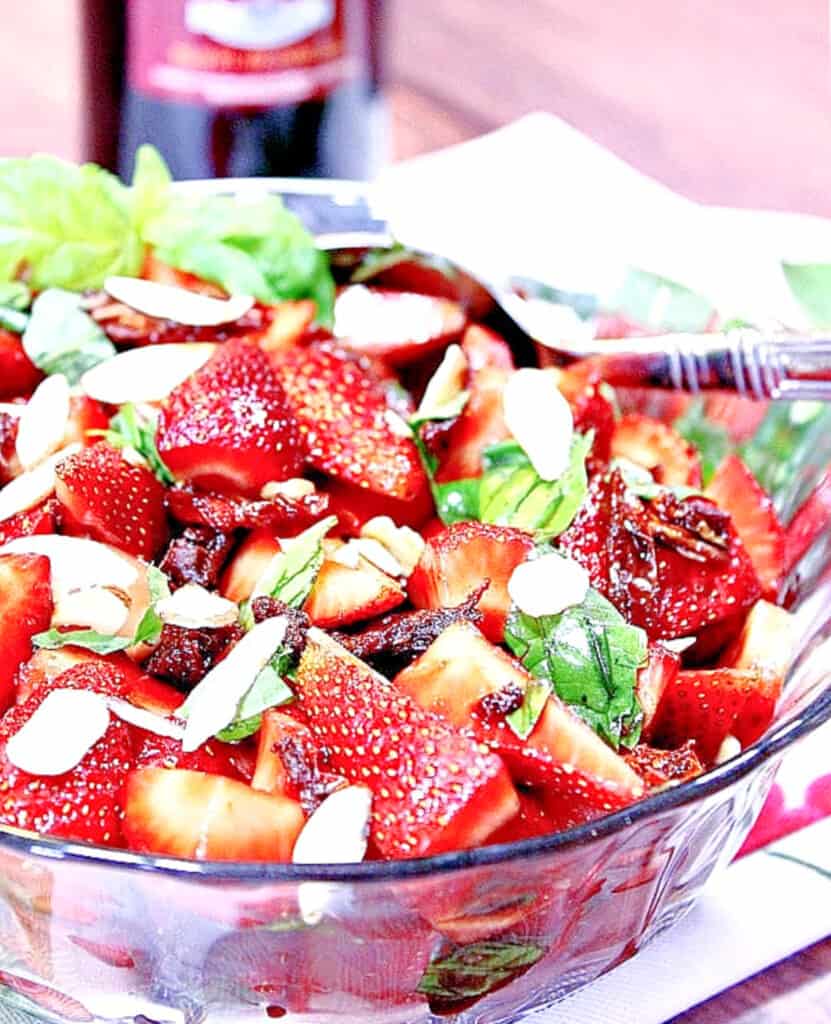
x=239, y=53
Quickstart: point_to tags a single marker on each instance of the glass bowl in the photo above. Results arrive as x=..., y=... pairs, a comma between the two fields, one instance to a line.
x=482, y=935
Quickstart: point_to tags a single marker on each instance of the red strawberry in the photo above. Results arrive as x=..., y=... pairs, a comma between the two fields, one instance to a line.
x=355, y=505
x=25, y=609
x=649, y=560
x=9, y=462
x=531, y=821
x=40, y=519
x=397, y=326
x=105, y=497
x=85, y=803
x=658, y=767
x=741, y=416
x=474, y=684
x=811, y=520
x=433, y=788
x=227, y=427
x=207, y=817
x=18, y=374
x=290, y=762
x=250, y=561
x=658, y=448
x=480, y=424
x=484, y=347
x=85, y=415
x=735, y=489
x=592, y=410
x=341, y=408
x=458, y=560
x=45, y=666
x=766, y=643
x=709, y=705
x=342, y=595
x=213, y=757
x=659, y=671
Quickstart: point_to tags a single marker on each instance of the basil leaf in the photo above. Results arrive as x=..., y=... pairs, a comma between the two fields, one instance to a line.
x=640, y=481
x=511, y=493
x=710, y=439
x=89, y=639
x=457, y=501
x=268, y=691
x=810, y=285
x=591, y=655
x=70, y=226
x=470, y=972
x=15, y=295
x=150, y=187
x=256, y=247
x=526, y=716
x=61, y=338
x=660, y=303
x=150, y=627
x=129, y=430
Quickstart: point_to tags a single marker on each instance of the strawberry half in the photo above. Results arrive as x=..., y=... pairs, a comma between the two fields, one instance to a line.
x=658, y=448
x=455, y=563
x=227, y=428
x=105, y=497
x=659, y=671
x=811, y=520
x=40, y=519
x=18, y=374
x=342, y=595
x=342, y=411
x=709, y=705
x=735, y=489
x=433, y=787
x=25, y=609
x=85, y=803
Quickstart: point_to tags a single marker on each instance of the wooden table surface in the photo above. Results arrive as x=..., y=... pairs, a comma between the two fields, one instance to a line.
x=727, y=102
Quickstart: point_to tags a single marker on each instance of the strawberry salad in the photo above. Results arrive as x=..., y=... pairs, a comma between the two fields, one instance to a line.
x=297, y=573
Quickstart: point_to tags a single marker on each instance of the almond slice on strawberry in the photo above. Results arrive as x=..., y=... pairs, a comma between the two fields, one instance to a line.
x=25, y=609
x=185, y=813
x=434, y=789
x=105, y=497
x=456, y=562
x=342, y=411
x=228, y=428
x=735, y=489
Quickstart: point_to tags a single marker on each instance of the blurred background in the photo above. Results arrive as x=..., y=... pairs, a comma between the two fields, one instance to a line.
x=725, y=102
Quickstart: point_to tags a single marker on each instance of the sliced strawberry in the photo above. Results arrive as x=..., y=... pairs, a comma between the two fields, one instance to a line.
x=105, y=497
x=25, y=609
x=766, y=643
x=227, y=428
x=433, y=788
x=659, y=671
x=18, y=374
x=85, y=415
x=157, y=270
x=709, y=705
x=658, y=767
x=474, y=684
x=735, y=489
x=355, y=505
x=40, y=519
x=530, y=821
x=250, y=561
x=399, y=327
x=9, y=463
x=144, y=691
x=290, y=762
x=85, y=803
x=342, y=411
x=593, y=410
x=213, y=757
x=458, y=560
x=484, y=347
x=481, y=423
x=658, y=448
x=342, y=595
x=192, y=814
x=809, y=523
x=653, y=561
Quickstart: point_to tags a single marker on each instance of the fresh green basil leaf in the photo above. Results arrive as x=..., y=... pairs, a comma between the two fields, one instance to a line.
x=268, y=691
x=15, y=295
x=61, y=338
x=128, y=429
x=89, y=639
x=810, y=285
x=291, y=573
x=650, y=300
x=457, y=501
x=591, y=655
x=470, y=972
x=710, y=439
x=526, y=716
x=150, y=626
x=150, y=187
x=69, y=226
x=511, y=493
x=256, y=247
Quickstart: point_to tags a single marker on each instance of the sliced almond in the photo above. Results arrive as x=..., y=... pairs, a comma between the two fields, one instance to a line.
x=96, y=608
x=144, y=719
x=146, y=374
x=397, y=424
x=60, y=733
x=42, y=424
x=338, y=830
x=294, y=489
x=405, y=545
x=365, y=315
x=445, y=386
x=77, y=563
x=347, y=555
x=32, y=487
x=213, y=702
x=179, y=304
x=548, y=585
x=678, y=644
x=730, y=748
x=379, y=556
x=194, y=607
x=539, y=417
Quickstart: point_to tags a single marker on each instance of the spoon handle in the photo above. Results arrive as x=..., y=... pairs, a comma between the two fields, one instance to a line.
x=744, y=360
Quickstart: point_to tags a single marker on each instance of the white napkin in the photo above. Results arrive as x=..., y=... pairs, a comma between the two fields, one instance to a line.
x=541, y=199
